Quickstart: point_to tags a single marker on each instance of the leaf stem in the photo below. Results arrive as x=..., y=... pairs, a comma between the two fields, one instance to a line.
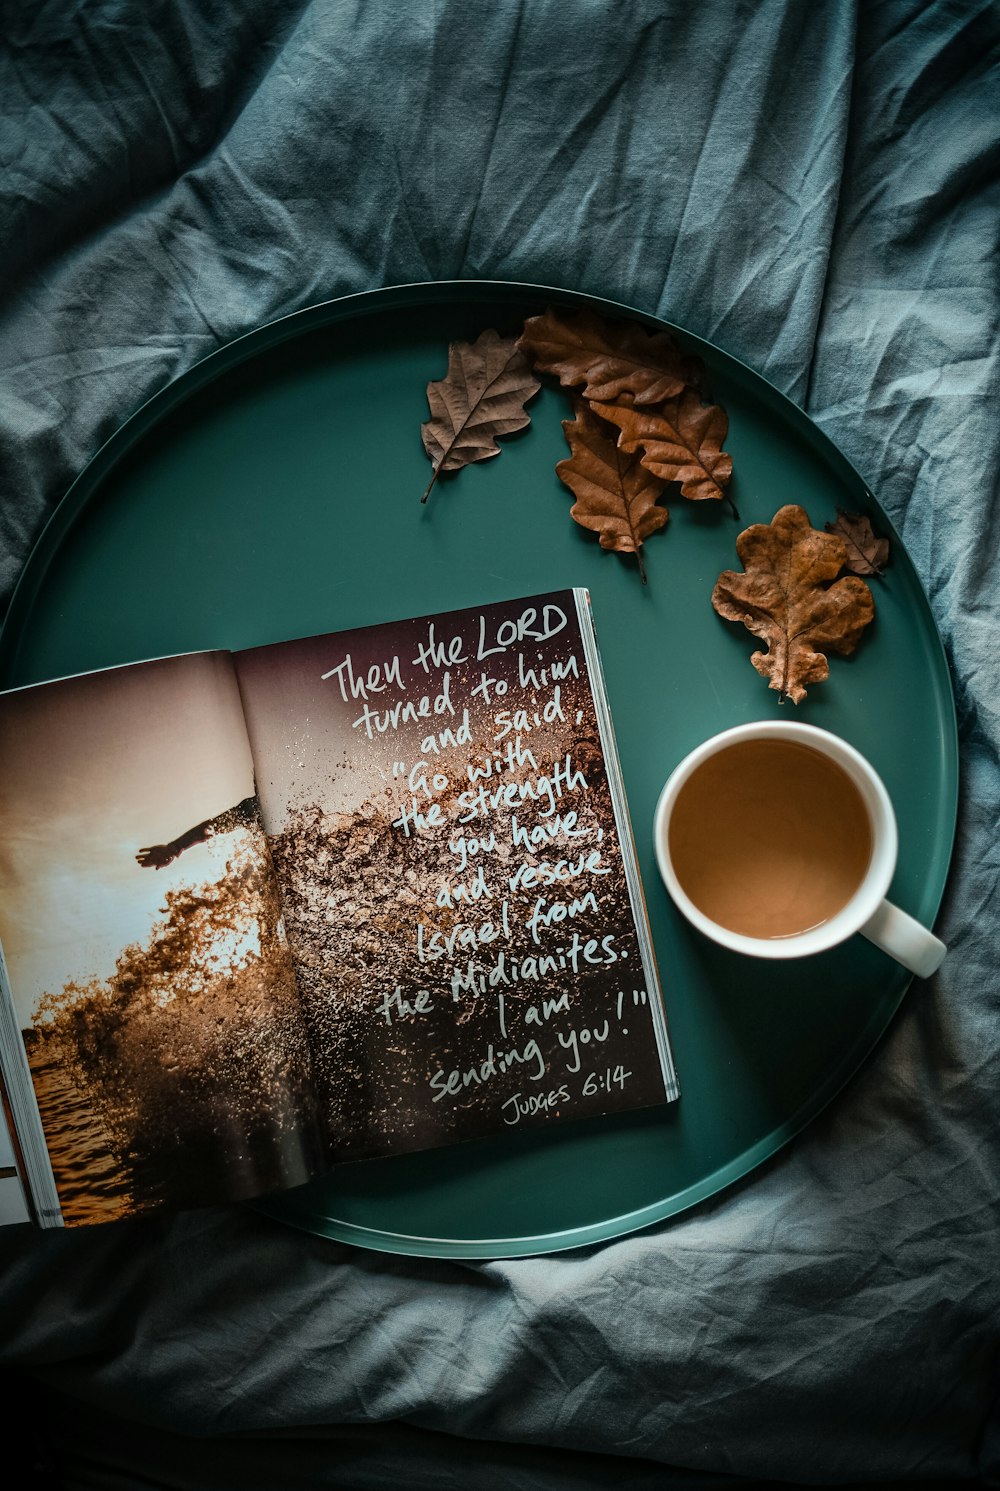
x=427, y=493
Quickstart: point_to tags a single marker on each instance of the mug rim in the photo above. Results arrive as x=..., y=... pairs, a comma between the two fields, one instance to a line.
x=868, y=896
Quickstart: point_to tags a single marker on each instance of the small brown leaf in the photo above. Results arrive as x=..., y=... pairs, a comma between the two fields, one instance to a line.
x=615, y=494
x=867, y=554
x=790, y=597
x=481, y=398
x=682, y=441
x=607, y=359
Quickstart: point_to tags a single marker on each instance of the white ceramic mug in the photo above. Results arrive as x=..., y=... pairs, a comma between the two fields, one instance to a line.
x=867, y=911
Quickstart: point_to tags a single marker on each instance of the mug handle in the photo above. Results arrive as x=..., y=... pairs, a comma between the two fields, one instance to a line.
x=905, y=939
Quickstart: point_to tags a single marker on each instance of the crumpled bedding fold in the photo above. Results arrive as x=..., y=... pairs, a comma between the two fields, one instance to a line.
x=815, y=189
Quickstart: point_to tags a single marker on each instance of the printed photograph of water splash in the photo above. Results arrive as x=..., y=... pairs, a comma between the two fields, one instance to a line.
x=141, y=926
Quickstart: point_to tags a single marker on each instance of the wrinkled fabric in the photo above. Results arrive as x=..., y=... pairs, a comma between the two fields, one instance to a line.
x=815, y=189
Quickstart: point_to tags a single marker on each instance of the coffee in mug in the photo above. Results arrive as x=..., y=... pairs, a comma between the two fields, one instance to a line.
x=779, y=839
x=770, y=838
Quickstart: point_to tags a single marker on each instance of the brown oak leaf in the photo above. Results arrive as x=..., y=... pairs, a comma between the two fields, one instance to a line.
x=680, y=441
x=790, y=596
x=608, y=359
x=615, y=494
x=867, y=554
x=482, y=397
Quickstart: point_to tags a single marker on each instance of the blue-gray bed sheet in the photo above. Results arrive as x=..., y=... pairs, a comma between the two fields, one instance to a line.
x=812, y=187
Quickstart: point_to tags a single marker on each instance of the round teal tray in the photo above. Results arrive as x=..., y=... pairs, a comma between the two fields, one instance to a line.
x=274, y=491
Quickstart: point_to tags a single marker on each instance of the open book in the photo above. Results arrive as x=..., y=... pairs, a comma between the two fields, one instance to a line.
x=268, y=911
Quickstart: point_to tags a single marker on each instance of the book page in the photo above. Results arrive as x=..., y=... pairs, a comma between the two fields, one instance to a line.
x=437, y=801
x=13, y=1201
x=141, y=928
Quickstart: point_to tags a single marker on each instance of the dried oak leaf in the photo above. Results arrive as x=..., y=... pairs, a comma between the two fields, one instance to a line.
x=867, y=554
x=481, y=397
x=615, y=494
x=791, y=597
x=608, y=359
x=680, y=441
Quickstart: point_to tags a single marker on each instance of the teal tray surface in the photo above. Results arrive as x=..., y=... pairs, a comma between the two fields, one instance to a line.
x=274, y=491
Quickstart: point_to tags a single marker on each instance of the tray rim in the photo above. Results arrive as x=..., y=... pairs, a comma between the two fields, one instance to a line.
x=412, y=294
x=716, y=1183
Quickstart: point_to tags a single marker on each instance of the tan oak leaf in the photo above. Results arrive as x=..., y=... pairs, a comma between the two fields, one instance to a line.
x=791, y=597
x=680, y=441
x=481, y=398
x=615, y=495
x=608, y=359
x=867, y=553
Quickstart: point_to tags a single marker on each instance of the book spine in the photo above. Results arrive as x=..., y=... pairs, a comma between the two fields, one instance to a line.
x=13, y=1198
x=626, y=839
x=25, y=1124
